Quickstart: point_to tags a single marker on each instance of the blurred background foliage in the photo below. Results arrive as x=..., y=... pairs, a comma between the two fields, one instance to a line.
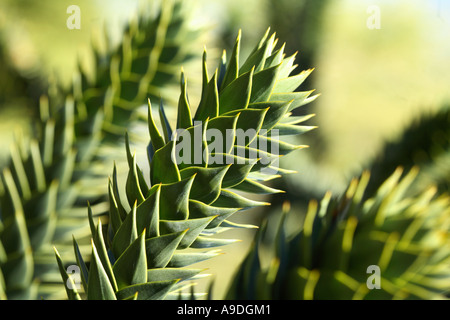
x=373, y=82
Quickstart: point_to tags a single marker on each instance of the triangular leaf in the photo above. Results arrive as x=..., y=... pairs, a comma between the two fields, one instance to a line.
x=232, y=71
x=99, y=287
x=209, y=105
x=84, y=273
x=257, y=58
x=133, y=187
x=167, y=274
x=161, y=249
x=221, y=133
x=298, y=98
x=193, y=226
x=237, y=94
x=147, y=214
x=182, y=259
x=155, y=137
x=209, y=242
x=198, y=209
x=231, y=199
x=174, y=199
x=165, y=123
x=126, y=234
x=207, y=182
x=103, y=255
x=163, y=167
x=238, y=171
x=184, y=118
x=131, y=267
x=291, y=83
x=69, y=285
x=248, y=124
x=255, y=187
x=263, y=84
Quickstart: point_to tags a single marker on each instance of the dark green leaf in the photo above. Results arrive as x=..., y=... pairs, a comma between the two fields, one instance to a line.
x=72, y=292
x=131, y=267
x=103, y=254
x=255, y=187
x=248, y=124
x=223, y=130
x=275, y=58
x=238, y=171
x=165, y=123
x=126, y=234
x=233, y=200
x=99, y=287
x=133, y=187
x=174, y=200
x=298, y=98
x=257, y=59
x=163, y=167
x=207, y=182
x=181, y=259
x=209, y=242
x=114, y=214
x=167, y=274
x=161, y=249
x=193, y=226
x=263, y=84
x=155, y=137
x=198, y=209
x=237, y=94
x=84, y=273
x=232, y=71
x=209, y=105
x=184, y=118
x=276, y=110
x=191, y=146
x=147, y=214
x=115, y=189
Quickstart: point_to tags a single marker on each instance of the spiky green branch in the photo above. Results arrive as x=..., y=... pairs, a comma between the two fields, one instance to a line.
x=195, y=180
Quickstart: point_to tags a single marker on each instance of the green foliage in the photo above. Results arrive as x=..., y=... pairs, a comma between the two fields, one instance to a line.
x=329, y=254
x=45, y=182
x=144, y=232
x=185, y=202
